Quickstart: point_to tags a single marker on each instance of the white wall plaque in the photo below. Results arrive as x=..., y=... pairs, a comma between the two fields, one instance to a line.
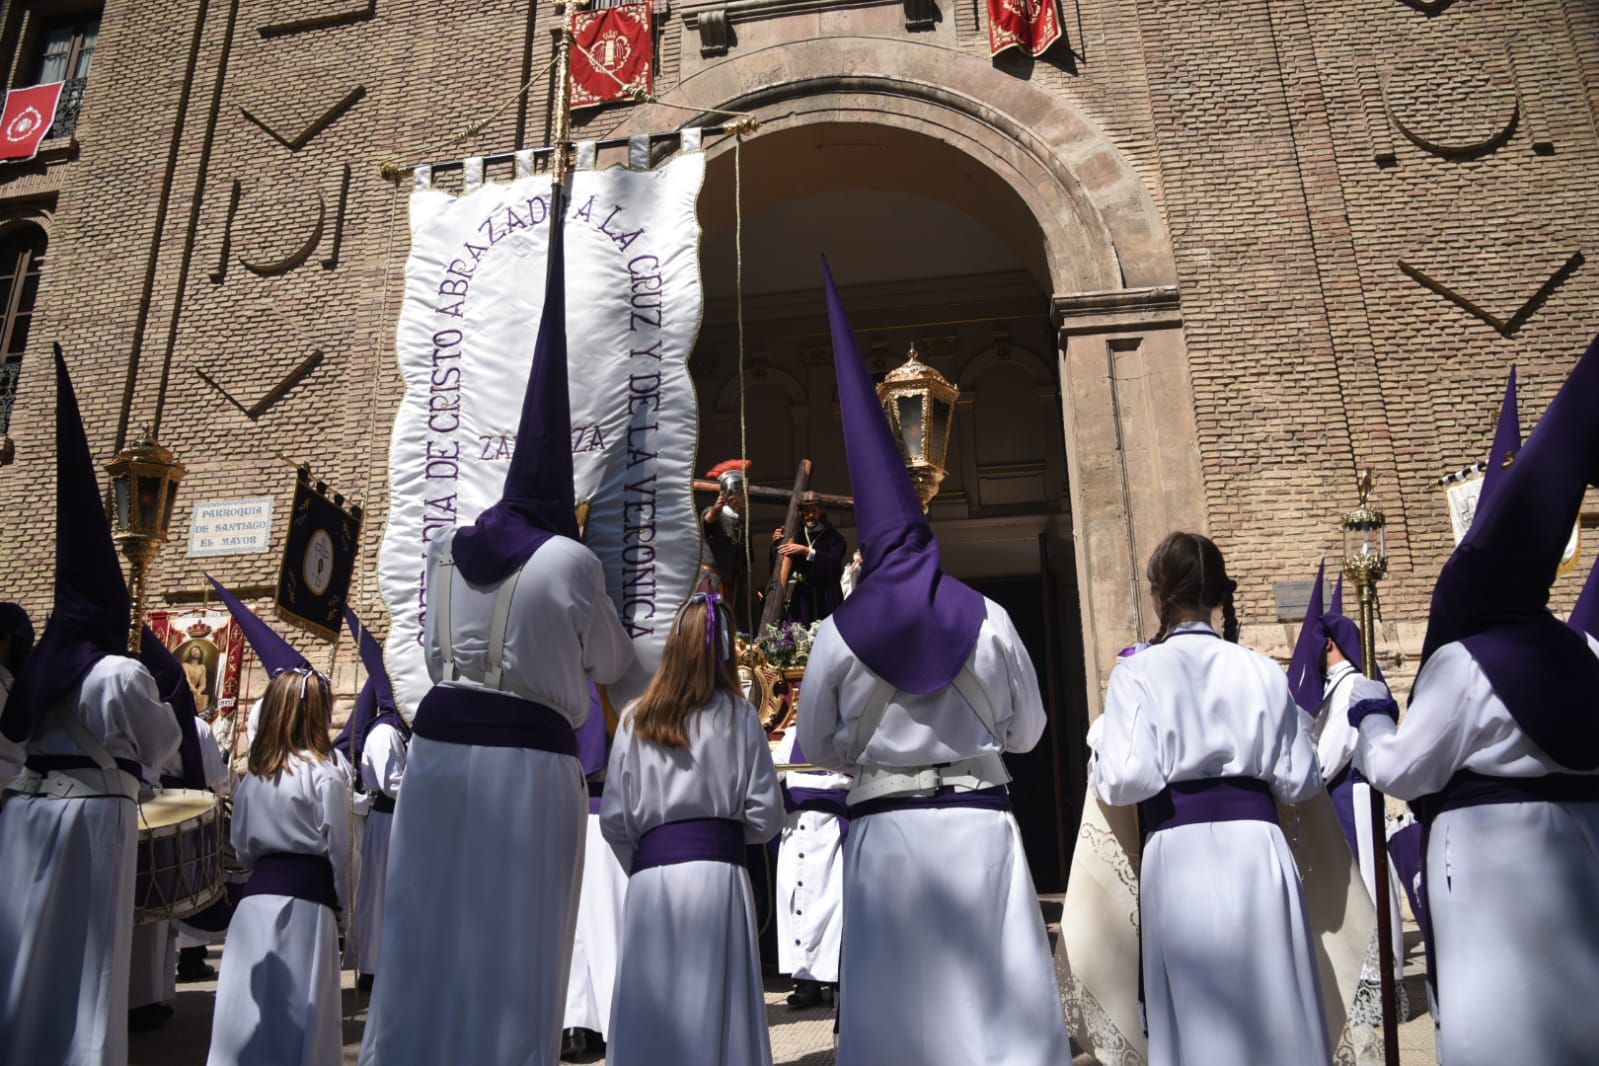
x=231, y=527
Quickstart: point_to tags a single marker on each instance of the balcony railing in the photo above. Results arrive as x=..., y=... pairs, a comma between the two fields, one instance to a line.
x=66, y=121
x=9, y=374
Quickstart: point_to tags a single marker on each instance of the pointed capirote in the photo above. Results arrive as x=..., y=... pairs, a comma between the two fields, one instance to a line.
x=537, y=501
x=91, y=611
x=912, y=624
x=1492, y=595
x=276, y=653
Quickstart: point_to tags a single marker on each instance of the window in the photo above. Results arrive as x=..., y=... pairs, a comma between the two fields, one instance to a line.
x=21, y=260
x=66, y=51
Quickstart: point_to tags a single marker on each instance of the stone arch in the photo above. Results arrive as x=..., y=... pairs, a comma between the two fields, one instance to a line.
x=1101, y=228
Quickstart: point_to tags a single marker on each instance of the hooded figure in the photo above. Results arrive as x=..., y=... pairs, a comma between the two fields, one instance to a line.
x=1497, y=755
x=374, y=739
x=275, y=653
x=1327, y=661
x=487, y=850
x=89, y=716
x=1585, y=615
x=919, y=683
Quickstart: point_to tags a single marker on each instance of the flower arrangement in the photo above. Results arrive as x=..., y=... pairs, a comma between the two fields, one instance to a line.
x=787, y=645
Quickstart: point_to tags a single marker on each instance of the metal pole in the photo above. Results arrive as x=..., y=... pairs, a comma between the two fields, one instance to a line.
x=561, y=106
x=1379, y=847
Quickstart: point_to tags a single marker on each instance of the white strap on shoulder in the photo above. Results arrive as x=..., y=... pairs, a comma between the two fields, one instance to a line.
x=497, y=628
x=442, y=609
x=972, y=691
x=876, y=706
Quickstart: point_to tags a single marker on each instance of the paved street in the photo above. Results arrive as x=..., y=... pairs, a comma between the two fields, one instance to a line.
x=799, y=1038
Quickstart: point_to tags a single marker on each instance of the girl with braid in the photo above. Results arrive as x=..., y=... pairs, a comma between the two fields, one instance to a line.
x=1203, y=735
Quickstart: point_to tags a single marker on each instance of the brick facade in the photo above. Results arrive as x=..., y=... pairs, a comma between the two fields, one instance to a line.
x=1314, y=236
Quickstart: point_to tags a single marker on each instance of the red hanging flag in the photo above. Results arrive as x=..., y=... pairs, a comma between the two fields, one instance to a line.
x=614, y=54
x=1030, y=25
x=27, y=118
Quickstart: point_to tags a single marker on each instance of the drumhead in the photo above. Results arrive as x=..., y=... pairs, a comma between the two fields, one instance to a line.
x=174, y=806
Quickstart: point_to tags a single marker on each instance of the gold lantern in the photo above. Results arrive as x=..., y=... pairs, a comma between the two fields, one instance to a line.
x=144, y=485
x=920, y=404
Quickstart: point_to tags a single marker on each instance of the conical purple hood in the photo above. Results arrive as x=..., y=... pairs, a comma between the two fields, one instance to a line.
x=908, y=621
x=1493, y=593
x=1305, y=675
x=1585, y=616
x=374, y=704
x=173, y=685
x=92, y=611
x=537, y=501
x=275, y=653
x=1507, y=442
x=371, y=660
x=1338, y=595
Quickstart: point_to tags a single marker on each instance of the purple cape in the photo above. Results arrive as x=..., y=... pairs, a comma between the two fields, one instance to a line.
x=911, y=624
x=537, y=501
x=91, y=613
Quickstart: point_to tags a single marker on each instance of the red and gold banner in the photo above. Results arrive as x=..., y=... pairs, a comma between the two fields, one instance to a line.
x=613, y=57
x=1030, y=25
x=26, y=119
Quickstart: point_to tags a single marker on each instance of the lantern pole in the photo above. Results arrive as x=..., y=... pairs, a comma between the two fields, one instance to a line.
x=1365, y=564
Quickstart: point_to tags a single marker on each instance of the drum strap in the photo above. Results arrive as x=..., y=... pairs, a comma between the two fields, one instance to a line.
x=501, y=621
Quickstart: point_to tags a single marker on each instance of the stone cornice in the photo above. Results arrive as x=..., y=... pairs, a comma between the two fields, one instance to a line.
x=1117, y=310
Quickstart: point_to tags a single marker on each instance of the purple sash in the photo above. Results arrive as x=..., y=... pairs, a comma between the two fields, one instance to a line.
x=1210, y=799
x=282, y=873
x=454, y=714
x=691, y=840
x=1341, y=790
x=382, y=804
x=832, y=801
x=1471, y=789
x=596, y=796
x=994, y=798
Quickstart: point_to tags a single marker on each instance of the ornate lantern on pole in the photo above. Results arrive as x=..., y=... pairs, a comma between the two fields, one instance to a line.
x=1365, y=563
x=920, y=404
x=144, y=483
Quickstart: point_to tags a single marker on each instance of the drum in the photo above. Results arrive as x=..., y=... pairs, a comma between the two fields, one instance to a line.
x=180, y=855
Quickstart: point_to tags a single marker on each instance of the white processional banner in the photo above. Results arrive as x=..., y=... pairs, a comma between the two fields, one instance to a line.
x=474, y=291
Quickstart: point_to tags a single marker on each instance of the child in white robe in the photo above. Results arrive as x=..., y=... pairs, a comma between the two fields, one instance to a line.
x=278, y=994
x=690, y=783
x=1204, y=735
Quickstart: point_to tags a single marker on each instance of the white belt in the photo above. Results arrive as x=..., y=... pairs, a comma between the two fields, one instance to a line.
x=878, y=782
x=76, y=784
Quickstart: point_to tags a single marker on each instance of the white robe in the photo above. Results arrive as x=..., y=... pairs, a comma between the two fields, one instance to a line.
x=945, y=957
x=1511, y=888
x=810, y=880
x=688, y=987
x=1228, y=954
x=382, y=768
x=278, y=993
x=66, y=884
x=486, y=850
x=1335, y=742
x=598, y=942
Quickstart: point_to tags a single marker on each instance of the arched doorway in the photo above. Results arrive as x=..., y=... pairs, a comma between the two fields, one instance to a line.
x=932, y=250
x=1075, y=217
